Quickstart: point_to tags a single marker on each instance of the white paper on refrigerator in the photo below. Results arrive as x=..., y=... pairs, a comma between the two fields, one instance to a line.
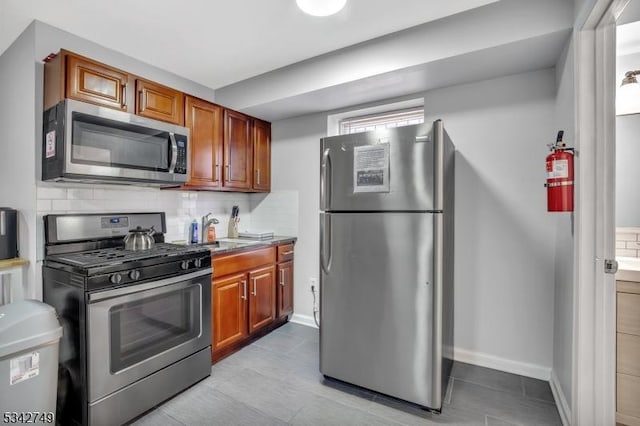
x=371, y=168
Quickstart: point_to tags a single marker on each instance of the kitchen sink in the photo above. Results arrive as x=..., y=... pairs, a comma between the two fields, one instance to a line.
x=228, y=243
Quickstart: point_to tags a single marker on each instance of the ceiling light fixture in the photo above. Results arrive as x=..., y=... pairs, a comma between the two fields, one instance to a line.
x=630, y=77
x=321, y=7
x=628, y=95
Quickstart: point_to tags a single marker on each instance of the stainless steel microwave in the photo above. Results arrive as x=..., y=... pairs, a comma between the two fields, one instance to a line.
x=89, y=143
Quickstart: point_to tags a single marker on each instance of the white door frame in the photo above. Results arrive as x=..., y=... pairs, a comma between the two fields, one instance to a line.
x=593, y=387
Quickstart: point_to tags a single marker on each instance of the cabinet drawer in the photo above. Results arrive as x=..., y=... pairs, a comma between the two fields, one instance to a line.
x=628, y=354
x=628, y=388
x=243, y=261
x=285, y=252
x=629, y=313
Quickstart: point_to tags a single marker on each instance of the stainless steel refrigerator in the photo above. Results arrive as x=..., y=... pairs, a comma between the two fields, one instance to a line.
x=386, y=261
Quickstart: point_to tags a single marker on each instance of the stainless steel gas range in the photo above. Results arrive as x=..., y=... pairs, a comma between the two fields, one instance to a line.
x=136, y=324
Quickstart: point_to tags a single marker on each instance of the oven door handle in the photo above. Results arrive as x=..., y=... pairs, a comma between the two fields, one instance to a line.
x=174, y=152
x=123, y=291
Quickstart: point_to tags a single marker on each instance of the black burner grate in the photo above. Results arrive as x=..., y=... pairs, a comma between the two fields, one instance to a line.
x=116, y=255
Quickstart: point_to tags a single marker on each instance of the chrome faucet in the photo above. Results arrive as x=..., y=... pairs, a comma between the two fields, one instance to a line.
x=206, y=223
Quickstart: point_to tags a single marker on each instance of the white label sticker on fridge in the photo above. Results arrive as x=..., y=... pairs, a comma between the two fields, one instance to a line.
x=24, y=368
x=559, y=169
x=50, y=144
x=371, y=168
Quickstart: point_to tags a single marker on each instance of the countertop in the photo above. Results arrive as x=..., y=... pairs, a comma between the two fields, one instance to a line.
x=229, y=245
x=628, y=269
x=10, y=263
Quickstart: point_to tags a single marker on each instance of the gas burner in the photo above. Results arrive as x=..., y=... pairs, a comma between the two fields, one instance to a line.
x=116, y=255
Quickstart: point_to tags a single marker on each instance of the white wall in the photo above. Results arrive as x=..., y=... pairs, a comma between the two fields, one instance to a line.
x=504, y=237
x=17, y=148
x=563, y=270
x=295, y=153
x=627, y=170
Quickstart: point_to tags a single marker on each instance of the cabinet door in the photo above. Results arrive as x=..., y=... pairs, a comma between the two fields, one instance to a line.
x=204, y=120
x=261, y=156
x=99, y=84
x=262, y=298
x=285, y=289
x=238, y=159
x=159, y=102
x=229, y=310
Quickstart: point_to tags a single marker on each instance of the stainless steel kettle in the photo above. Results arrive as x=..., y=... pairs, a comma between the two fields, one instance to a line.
x=139, y=239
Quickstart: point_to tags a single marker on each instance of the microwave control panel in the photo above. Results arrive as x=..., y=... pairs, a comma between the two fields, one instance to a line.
x=181, y=161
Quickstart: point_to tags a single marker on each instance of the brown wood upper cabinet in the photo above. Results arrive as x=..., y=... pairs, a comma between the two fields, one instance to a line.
x=68, y=75
x=159, y=102
x=204, y=120
x=230, y=151
x=261, y=156
x=238, y=151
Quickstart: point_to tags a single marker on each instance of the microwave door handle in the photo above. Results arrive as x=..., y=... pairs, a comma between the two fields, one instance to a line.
x=174, y=152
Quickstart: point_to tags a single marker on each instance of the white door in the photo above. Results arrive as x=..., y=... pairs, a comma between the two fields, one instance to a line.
x=593, y=400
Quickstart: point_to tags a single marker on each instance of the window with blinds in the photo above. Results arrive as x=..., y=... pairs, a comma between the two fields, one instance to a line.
x=381, y=121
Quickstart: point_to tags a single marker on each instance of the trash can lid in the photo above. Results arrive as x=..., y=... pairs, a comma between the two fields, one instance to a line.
x=27, y=324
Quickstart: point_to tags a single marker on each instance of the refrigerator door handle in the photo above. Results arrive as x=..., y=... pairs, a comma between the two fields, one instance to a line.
x=325, y=242
x=325, y=181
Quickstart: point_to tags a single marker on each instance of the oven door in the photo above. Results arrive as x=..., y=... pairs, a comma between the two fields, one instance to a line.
x=102, y=142
x=135, y=331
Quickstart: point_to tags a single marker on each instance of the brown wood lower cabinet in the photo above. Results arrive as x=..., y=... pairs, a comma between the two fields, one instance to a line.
x=230, y=310
x=262, y=299
x=628, y=353
x=285, y=288
x=247, y=301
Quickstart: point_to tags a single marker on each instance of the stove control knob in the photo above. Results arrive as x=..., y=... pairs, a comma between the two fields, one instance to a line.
x=198, y=263
x=134, y=275
x=115, y=278
x=184, y=265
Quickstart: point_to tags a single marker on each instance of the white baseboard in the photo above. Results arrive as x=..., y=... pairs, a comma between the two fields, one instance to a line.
x=561, y=401
x=303, y=320
x=502, y=364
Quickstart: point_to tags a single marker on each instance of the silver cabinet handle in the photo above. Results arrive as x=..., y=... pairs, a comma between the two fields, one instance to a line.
x=282, y=277
x=216, y=176
x=228, y=173
x=255, y=291
x=287, y=253
x=258, y=175
x=124, y=95
x=325, y=180
x=244, y=289
x=3, y=224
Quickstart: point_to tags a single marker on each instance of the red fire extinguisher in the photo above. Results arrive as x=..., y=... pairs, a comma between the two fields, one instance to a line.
x=560, y=177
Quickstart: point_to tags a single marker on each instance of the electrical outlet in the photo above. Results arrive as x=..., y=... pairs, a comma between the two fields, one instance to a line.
x=313, y=283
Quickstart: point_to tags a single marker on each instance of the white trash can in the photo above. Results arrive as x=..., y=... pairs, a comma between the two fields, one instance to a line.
x=29, y=338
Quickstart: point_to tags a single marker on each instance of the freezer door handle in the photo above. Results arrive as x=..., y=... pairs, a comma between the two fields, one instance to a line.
x=325, y=243
x=325, y=180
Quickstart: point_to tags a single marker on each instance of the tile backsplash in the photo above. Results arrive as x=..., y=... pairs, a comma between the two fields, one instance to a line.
x=181, y=207
x=276, y=211
x=628, y=242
